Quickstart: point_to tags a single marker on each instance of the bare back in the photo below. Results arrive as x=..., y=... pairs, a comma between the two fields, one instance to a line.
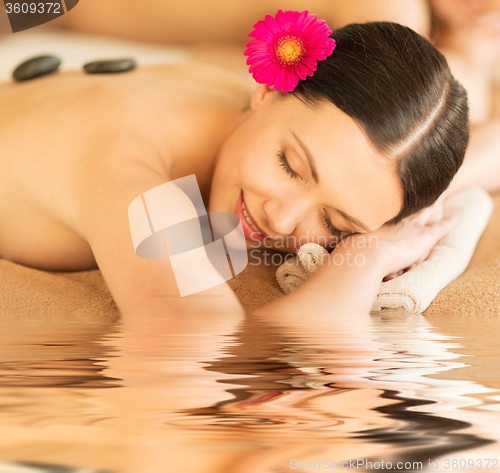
x=167, y=118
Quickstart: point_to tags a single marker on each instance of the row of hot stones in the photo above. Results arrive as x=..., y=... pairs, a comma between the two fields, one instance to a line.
x=43, y=65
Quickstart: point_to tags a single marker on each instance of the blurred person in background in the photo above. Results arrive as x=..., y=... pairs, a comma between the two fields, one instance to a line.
x=467, y=32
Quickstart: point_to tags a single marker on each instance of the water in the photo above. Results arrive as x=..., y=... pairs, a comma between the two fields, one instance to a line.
x=243, y=396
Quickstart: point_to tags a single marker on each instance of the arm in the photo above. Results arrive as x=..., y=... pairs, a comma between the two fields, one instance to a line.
x=338, y=286
x=147, y=287
x=348, y=281
x=140, y=287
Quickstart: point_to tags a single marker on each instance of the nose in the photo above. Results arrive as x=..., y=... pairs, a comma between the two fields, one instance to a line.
x=284, y=214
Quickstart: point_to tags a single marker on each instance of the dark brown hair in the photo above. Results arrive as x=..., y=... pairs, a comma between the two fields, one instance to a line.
x=398, y=87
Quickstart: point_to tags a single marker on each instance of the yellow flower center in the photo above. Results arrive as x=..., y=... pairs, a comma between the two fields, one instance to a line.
x=289, y=50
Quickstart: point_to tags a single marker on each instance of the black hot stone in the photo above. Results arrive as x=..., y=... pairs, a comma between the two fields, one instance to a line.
x=103, y=67
x=36, y=67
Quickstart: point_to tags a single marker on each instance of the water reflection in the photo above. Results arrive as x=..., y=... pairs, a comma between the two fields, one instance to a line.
x=290, y=391
x=235, y=395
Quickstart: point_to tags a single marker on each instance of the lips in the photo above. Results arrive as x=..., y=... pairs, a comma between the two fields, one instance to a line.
x=250, y=228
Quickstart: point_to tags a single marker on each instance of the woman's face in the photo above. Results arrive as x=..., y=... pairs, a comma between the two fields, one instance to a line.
x=301, y=173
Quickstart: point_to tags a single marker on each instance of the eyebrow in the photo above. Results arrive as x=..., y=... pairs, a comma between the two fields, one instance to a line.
x=314, y=172
x=353, y=220
x=310, y=159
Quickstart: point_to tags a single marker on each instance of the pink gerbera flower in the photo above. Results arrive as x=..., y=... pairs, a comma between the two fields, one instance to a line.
x=287, y=48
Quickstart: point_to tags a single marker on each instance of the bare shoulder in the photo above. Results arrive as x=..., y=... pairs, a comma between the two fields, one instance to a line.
x=139, y=285
x=203, y=76
x=96, y=143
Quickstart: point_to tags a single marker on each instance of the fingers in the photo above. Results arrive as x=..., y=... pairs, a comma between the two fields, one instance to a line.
x=392, y=276
x=445, y=225
x=433, y=232
x=410, y=244
x=421, y=260
x=431, y=214
x=440, y=229
x=435, y=211
x=437, y=230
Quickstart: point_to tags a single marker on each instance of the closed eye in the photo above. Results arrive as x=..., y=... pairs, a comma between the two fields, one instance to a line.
x=336, y=233
x=326, y=221
x=284, y=164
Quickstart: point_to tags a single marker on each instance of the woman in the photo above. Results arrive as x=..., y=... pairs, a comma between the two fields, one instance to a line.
x=374, y=136
x=467, y=32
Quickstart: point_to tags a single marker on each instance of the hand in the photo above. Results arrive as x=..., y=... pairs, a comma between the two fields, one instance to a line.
x=431, y=214
x=411, y=241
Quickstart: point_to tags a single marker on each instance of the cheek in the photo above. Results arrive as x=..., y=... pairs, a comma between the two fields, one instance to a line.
x=258, y=170
x=311, y=229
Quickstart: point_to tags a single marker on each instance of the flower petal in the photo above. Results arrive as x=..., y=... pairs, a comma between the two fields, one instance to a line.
x=261, y=35
x=300, y=22
x=303, y=71
x=291, y=19
x=332, y=44
x=257, y=57
x=315, y=45
x=310, y=20
x=319, y=28
x=273, y=24
x=264, y=74
x=299, y=71
x=258, y=54
x=320, y=43
x=279, y=82
x=263, y=31
x=273, y=73
x=282, y=20
x=310, y=62
x=316, y=53
x=258, y=66
x=292, y=79
x=259, y=24
x=257, y=45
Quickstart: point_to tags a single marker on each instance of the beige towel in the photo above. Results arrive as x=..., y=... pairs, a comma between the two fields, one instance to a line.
x=414, y=290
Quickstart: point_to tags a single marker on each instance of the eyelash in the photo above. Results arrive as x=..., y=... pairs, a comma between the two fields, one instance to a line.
x=336, y=233
x=284, y=164
x=326, y=222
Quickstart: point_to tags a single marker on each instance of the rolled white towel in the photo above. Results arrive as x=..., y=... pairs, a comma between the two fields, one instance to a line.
x=311, y=256
x=291, y=274
x=294, y=271
x=414, y=290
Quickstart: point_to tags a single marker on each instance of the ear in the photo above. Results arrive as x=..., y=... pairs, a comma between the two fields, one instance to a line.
x=259, y=95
